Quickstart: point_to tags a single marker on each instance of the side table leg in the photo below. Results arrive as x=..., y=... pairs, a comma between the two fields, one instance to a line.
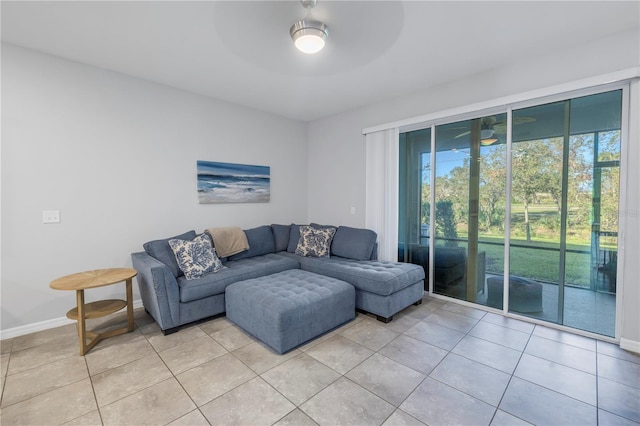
x=129, y=305
x=82, y=331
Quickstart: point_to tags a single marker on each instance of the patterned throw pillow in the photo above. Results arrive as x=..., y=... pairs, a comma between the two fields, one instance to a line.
x=315, y=242
x=196, y=258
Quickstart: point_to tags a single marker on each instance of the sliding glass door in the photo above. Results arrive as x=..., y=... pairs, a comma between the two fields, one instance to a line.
x=564, y=212
x=560, y=215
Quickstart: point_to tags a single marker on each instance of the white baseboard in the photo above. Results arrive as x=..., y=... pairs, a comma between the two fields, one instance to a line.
x=630, y=345
x=44, y=325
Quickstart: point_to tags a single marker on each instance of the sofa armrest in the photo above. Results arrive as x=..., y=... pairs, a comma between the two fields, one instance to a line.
x=158, y=289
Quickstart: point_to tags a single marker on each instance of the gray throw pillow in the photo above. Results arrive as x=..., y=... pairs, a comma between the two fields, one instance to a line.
x=353, y=243
x=161, y=250
x=260, y=242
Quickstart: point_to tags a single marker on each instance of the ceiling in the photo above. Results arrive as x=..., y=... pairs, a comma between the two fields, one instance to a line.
x=241, y=52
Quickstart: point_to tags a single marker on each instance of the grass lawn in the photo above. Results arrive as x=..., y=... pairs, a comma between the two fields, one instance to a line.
x=542, y=208
x=538, y=264
x=535, y=262
x=540, y=259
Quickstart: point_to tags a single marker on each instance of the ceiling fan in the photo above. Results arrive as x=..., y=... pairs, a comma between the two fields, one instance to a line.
x=490, y=127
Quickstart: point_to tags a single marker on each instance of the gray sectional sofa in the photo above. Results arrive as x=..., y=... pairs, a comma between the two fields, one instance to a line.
x=381, y=288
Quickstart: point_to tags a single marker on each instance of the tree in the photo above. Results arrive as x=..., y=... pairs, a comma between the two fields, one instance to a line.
x=536, y=168
x=609, y=150
x=493, y=177
x=446, y=222
x=580, y=186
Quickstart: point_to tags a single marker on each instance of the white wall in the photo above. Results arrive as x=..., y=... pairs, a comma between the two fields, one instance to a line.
x=337, y=153
x=117, y=156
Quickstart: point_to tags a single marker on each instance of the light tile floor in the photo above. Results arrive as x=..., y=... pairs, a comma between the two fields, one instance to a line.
x=437, y=363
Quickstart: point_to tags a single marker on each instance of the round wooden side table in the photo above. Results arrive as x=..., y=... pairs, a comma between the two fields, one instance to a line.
x=92, y=279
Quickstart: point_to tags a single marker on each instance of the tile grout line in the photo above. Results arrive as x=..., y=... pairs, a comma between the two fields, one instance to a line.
x=93, y=389
x=99, y=408
x=340, y=375
x=513, y=373
x=4, y=377
x=428, y=376
x=597, y=386
x=174, y=377
x=449, y=352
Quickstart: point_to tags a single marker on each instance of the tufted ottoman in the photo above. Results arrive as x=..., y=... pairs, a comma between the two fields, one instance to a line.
x=289, y=308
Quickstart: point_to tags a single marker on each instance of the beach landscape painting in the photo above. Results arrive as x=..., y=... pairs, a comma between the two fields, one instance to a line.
x=233, y=183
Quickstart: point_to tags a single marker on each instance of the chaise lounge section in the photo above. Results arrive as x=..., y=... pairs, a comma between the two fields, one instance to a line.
x=383, y=288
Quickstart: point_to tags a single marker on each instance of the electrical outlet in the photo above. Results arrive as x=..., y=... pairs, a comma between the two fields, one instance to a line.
x=51, y=216
x=353, y=210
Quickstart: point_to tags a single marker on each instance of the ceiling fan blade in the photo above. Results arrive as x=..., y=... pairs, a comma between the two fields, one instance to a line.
x=523, y=120
x=516, y=120
x=468, y=132
x=500, y=128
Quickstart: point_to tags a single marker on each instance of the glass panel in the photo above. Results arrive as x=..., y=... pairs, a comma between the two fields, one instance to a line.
x=452, y=165
x=536, y=188
x=470, y=206
x=565, y=186
x=414, y=208
x=594, y=165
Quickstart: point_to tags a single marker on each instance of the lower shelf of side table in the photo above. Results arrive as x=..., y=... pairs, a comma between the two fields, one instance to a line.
x=101, y=308
x=98, y=309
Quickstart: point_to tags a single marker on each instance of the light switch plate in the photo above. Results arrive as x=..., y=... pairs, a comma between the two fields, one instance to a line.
x=51, y=216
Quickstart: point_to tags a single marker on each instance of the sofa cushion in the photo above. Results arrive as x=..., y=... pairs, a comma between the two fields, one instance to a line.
x=383, y=278
x=353, y=243
x=294, y=237
x=260, y=242
x=197, y=257
x=281, y=236
x=161, y=250
x=237, y=270
x=314, y=241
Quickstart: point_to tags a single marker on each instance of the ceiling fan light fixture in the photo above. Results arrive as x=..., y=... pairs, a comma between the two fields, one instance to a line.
x=308, y=35
x=487, y=138
x=488, y=141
